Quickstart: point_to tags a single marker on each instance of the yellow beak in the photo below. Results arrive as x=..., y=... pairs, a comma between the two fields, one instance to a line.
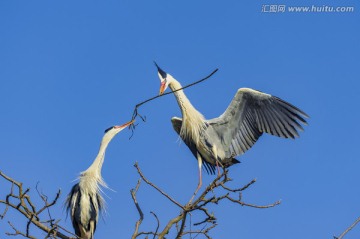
x=162, y=88
x=126, y=124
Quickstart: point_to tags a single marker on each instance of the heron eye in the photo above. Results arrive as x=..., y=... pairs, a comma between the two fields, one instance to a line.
x=108, y=129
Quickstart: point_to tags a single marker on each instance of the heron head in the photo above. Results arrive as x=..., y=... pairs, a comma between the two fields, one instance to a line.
x=165, y=79
x=112, y=131
x=117, y=128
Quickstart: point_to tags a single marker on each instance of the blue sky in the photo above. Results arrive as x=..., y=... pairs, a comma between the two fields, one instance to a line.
x=70, y=69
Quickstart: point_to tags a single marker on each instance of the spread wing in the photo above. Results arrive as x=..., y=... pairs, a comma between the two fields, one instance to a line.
x=252, y=113
x=177, y=122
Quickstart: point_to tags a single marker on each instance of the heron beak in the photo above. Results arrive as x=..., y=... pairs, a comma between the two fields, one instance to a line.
x=162, y=75
x=162, y=87
x=125, y=125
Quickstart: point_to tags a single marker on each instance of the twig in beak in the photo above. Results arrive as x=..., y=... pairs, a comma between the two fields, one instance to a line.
x=143, y=118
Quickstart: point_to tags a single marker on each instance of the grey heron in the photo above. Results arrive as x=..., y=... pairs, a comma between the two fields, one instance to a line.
x=84, y=201
x=218, y=141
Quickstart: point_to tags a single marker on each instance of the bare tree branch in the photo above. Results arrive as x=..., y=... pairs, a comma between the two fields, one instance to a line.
x=182, y=227
x=158, y=224
x=21, y=202
x=348, y=229
x=17, y=232
x=217, y=191
x=199, y=205
x=154, y=186
x=170, y=225
x=133, y=195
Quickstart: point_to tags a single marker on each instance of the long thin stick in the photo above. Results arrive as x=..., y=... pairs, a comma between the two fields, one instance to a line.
x=194, y=83
x=135, y=114
x=348, y=229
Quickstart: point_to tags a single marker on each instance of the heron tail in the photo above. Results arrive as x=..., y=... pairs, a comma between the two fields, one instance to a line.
x=230, y=161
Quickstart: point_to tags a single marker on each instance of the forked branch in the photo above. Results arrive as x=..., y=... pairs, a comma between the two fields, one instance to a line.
x=19, y=200
x=219, y=191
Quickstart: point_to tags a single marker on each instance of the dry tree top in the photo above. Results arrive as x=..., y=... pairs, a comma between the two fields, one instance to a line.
x=213, y=194
x=18, y=199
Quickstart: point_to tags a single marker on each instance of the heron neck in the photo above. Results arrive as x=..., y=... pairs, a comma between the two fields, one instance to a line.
x=193, y=121
x=183, y=102
x=96, y=166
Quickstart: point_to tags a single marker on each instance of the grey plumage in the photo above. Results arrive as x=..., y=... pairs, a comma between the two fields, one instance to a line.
x=177, y=123
x=96, y=203
x=250, y=114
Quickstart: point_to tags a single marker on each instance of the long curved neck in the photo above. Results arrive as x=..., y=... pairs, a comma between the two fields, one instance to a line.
x=99, y=160
x=193, y=121
x=184, y=103
x=94, y=171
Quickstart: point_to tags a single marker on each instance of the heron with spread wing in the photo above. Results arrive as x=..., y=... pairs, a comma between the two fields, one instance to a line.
x=216, y=142
x=85, y=202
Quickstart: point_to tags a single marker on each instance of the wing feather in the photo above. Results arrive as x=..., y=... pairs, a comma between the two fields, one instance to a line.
x=275, y=123
x=240, y=144
x=264, y=119
x=252, y=113
x=285, y=125
x=292, y=120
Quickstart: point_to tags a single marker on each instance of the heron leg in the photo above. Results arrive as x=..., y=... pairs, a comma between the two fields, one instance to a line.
x=200, y=177
x=214, y=150
x=218, y=168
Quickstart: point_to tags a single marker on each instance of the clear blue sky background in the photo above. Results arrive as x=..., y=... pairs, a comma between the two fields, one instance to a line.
x=70, y=69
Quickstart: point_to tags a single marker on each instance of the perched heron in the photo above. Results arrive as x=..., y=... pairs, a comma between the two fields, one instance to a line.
x=216, y=142
x=85, y=202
